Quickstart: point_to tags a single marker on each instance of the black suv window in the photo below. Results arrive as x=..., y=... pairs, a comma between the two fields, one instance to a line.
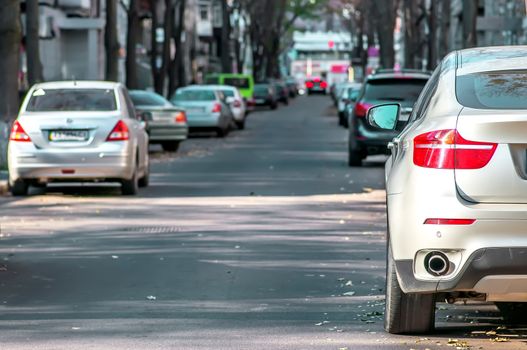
x=404, y=91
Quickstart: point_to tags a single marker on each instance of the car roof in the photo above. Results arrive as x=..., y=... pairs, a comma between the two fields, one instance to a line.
x=399, y=75
x=77, y=84
x=492, y=58
x=223, y=87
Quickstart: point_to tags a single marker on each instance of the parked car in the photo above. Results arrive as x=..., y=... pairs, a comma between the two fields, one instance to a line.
x=350, y=105
x=237, y=104
x=337, y=91
x=166, y=124
x=292, y=86
x=265, y=95
x=206, y=108
x=400, y=87
x=316, y=85
x=457, y=190
x=283, y=91
x=348, y=96
x=78, y=131
x=244, y=82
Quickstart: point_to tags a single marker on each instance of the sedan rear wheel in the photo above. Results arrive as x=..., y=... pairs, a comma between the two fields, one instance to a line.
x=240, y=124
x=130, y=187
x=406, y=313
x=19, y=188
x=170, y=146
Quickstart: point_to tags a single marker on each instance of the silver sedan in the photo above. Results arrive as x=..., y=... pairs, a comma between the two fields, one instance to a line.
x=78, y=131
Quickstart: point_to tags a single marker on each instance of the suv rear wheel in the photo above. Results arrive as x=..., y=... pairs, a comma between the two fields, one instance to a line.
x=19, y=188
x=406, y=313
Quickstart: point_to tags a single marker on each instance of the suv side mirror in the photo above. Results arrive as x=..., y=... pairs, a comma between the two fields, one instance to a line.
x=384, y=116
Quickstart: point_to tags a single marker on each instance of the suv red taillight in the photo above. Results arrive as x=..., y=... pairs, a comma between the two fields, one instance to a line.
x=447, y=149
x=361, y=109
x=309, y=84
x=323, y=84
x=18, y=134
x=216, y=108
x=120, y=132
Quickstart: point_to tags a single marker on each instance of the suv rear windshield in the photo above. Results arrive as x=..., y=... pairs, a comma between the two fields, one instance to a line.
x=493, y=90
x=195, y=95
x=398, y=90
x=242, y=83
x=53, y=100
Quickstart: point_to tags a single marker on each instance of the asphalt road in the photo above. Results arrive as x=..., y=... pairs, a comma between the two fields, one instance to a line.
x=263, y=240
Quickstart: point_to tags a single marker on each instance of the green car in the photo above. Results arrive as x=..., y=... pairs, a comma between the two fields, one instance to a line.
x=244, y=82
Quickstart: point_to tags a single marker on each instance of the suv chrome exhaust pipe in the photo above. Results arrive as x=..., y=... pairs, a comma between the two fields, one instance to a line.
x=437, y=263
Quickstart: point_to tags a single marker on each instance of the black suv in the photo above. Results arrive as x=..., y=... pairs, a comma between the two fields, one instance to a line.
x=386, y=86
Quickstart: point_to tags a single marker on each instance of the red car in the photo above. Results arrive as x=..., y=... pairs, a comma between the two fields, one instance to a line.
x=316, y=84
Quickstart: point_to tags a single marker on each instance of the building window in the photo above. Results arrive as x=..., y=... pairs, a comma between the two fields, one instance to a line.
x=203, y=12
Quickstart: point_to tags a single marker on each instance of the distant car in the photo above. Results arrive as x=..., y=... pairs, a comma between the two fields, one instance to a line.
x=206, y=108
x=78, y=131
x=316, y=85
x=283, y=91
x=400, y=87
x=337, y=91
x=237, y=104
x=166, y=124
x=265, y=95
x=292, y=86
x=348, y=94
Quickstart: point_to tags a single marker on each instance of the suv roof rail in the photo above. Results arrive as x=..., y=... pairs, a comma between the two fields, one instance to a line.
x=402, y=70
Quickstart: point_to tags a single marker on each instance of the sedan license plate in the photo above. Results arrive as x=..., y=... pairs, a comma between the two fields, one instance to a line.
x=68, y=135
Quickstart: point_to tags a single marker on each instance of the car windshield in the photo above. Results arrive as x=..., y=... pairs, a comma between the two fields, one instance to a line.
x=242, y=83
x=53, y=100
x=399, y=90
x=141, y=98
x=493, y=90
x=195, y=95
x=228, y=93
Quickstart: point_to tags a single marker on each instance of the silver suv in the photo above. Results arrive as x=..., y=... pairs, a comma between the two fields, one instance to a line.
x=456, y=187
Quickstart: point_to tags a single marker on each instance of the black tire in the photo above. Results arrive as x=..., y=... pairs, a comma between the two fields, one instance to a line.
x=130, y=187
x=513, y=313
x=406, y=313
x=341, y=119
x=222, y=132
x=273, y=105
x=145, y=180
x=240, y=124
x=170, y=146
x=354, y=158
x=19, y=188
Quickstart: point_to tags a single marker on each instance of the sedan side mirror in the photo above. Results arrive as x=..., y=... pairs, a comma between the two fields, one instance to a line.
x=384, y=116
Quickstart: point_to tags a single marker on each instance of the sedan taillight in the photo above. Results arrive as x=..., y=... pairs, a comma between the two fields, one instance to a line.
x=216, y=108
x=120, y=132
x=18, y=133
x=180, y=117
x=447, y=149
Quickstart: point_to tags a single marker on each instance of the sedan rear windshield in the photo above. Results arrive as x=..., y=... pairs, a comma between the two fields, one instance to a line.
x=228, y=93
x=403, y=90
x=53, y=100
x=140, y=98
x=493, y=90
x=195, y=95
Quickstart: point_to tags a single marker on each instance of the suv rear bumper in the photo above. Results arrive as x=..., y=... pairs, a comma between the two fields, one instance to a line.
x=484, y=262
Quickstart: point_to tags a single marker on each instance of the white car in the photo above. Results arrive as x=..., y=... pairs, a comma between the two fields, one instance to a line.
x=77, y=131
x=236, y=102
x=456, y=186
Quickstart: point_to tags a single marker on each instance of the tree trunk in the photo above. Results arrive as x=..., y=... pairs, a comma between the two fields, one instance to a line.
x=176, y=70
x=34, y=65
x=110, y=41
x=470, y=16
x=432, y=36
x=385, y=10
x=132, y=38
x=10, y=37
x=444, y=28
x=226, y=63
